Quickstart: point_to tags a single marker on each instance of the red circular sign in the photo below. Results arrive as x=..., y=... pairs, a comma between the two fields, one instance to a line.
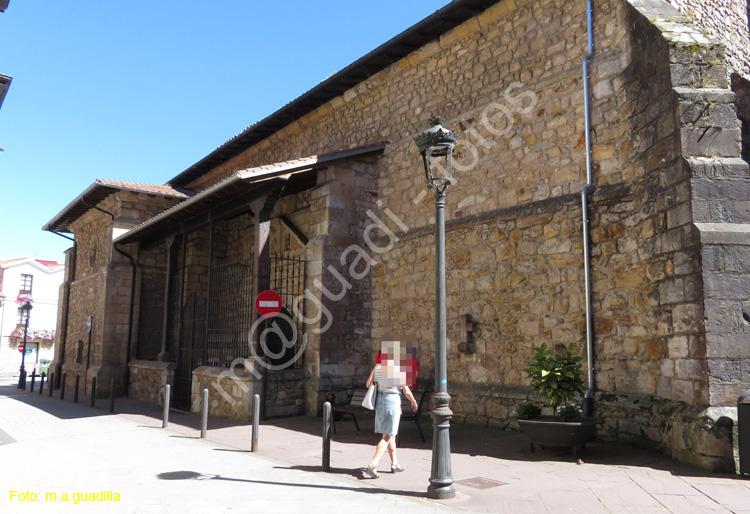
x=20, y=348
x=268, y=304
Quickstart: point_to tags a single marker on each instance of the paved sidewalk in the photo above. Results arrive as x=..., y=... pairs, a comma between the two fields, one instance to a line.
x=173, y=470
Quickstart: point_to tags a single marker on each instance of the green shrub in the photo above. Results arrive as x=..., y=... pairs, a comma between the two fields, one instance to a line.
x=555, y=377
x=527, y=411
x=570, y=413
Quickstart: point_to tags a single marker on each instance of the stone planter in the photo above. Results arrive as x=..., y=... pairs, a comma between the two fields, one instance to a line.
x=549, y=432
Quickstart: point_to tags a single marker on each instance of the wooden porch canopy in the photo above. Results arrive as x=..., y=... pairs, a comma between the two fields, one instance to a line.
x=235, y=193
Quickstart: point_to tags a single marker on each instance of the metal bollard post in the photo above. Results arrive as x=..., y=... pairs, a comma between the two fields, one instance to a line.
x=167, y=393
x=62, y=386
x=112, y=396
x=51, y=384
x=204, y=422
x=33, y=379
x=93, y=392
x=41, y=383
x=256, y=422
x=327, y=436
x=75, y=393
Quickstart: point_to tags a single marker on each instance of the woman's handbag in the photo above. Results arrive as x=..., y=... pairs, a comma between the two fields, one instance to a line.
x=370, y=399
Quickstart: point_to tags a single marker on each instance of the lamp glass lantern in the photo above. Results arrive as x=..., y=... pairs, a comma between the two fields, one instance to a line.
x=437, y=146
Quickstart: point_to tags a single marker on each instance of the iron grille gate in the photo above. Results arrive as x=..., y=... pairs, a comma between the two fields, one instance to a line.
x=230, y=305
x=151, y=319
x=288, y=275
x=191, y=347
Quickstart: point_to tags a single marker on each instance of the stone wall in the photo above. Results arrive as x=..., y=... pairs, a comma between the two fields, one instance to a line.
x=229, y=393
x=689, y=433
x=741, y=88
x=148, y=380
x=285, y=392
x=726, y=20
x=339, y=291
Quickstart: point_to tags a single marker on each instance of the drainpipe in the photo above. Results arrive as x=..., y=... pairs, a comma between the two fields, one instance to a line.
x=58, y=375
x=132, y=296
x=588, y=400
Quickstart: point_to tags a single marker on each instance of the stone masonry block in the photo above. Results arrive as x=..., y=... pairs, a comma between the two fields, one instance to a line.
x=727, y=167
x=721, y=189
x=728, y=346
x=721, y=211
x=726, y=287
x=711, y=142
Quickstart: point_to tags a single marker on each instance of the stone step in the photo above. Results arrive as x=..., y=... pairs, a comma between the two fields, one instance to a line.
x=717, y=167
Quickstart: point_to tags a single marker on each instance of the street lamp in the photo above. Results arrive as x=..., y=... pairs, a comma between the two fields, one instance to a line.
x=436, y=145
x=26, y=307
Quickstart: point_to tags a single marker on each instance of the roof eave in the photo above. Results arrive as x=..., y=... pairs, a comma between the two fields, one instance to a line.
x=52, y=225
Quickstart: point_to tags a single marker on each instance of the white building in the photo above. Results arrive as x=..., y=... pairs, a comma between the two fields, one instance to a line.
x=41, y=281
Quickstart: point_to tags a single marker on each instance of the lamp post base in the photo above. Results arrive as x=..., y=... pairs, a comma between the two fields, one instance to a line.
x=441, y=479
x=446, y=492
x=22, y=378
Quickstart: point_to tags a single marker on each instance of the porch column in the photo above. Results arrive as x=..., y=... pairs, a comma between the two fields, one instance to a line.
x=163, y=355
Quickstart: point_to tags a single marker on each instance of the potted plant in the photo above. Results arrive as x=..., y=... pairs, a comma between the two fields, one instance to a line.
x=557, y=377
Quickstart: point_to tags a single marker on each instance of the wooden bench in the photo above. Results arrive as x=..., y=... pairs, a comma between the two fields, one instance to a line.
x=355, y=407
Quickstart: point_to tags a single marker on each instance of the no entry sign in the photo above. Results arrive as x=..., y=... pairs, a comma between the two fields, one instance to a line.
x=268, y=304
x=20, y=348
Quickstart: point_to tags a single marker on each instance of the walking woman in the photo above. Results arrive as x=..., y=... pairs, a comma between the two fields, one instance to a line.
x=387, y=410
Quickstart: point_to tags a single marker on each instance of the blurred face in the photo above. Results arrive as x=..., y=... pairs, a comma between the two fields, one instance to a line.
x=397, y=364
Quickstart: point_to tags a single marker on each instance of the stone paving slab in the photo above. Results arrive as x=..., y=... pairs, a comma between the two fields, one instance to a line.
x=494, y=469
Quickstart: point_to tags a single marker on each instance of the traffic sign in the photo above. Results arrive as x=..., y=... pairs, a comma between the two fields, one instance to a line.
x=268, y=304
x=20, y=348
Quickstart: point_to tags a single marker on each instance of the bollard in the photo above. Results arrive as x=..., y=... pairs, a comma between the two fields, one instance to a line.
x=93, y=392
x=256, y=420
x=167, y=394
x=112, y=396
x=204, y=422
x=327, y=436
x=41, y=383
x=75, y=393
x=51, y=384
x=33, y=379
x=62, y=386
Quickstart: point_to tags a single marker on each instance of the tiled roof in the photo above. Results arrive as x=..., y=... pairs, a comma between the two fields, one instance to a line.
x=50, y=265
x=100, y=190
x=146, y=188
x=240, y=183
x=8, y=261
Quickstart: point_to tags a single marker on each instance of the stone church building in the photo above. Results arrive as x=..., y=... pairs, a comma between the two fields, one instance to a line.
x=610, y=211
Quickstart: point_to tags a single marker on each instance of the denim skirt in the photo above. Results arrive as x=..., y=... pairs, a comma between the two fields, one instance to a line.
x=387, y=413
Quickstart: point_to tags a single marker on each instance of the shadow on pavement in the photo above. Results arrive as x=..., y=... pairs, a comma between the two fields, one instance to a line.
x=192, y=475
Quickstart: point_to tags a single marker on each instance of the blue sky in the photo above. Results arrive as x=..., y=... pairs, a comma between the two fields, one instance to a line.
x=140, y=91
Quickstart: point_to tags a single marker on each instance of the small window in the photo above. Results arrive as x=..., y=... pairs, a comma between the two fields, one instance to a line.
x=23, y=314
x=26, y=283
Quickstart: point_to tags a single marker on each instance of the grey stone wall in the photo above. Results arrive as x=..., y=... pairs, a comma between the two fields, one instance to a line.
x=726, y=20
